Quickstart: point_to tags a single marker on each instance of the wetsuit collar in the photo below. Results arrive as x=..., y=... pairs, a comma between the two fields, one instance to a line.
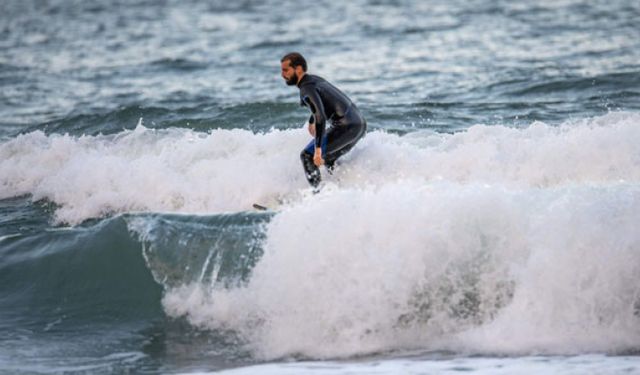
x=304, y=77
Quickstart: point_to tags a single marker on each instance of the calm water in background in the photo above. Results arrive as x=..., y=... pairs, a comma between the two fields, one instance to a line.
x=487, y=223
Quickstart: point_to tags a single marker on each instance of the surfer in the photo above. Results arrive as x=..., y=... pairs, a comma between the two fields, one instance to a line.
x=327, y=104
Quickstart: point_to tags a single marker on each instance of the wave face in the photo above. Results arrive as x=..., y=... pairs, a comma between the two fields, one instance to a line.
x=218, y=251
x=491, y=240
x=92, y=294
x=92, y=273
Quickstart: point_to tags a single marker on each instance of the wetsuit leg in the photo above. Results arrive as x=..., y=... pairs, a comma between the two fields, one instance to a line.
x=310, y=170
x=337, y=142
x=340, y=140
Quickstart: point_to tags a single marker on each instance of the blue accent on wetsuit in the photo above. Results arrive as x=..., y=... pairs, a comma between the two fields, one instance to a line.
x=311, y=147
x=327, y=103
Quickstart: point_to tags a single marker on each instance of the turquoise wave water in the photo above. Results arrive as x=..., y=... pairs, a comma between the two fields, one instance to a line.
x=87, y=271
x=98, y=287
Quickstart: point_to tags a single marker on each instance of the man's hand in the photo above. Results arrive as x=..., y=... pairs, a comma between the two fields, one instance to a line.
x=317, y=157
x=312, y=129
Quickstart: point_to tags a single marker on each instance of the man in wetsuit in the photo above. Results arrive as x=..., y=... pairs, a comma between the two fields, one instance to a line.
x=326, y=103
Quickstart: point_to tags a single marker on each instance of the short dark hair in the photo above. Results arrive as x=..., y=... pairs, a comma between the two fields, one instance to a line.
x=295, y=59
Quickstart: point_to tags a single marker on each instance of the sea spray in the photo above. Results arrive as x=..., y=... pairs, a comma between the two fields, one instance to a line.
x=183, y=171
x=407, y=266
x=212, y=250
x=171, y=170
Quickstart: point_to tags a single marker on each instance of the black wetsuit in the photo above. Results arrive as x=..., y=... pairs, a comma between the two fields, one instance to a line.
x=328, y=104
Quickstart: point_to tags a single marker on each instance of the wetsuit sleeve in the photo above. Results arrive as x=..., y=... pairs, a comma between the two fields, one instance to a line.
x=311, y=120
x=312, y=98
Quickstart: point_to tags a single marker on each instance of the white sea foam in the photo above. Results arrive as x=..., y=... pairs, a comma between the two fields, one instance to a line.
x=147, y=170
x=180, y=170
x=494, y=239
x=471, y=268
x=584, y=364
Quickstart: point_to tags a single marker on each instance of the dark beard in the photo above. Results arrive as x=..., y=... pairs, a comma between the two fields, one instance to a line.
x=293, y=80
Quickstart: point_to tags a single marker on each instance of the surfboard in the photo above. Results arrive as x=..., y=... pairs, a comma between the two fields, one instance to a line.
x=269, y=203
x=260, y=207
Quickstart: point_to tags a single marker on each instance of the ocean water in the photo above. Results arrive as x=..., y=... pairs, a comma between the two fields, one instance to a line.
x=487, y=223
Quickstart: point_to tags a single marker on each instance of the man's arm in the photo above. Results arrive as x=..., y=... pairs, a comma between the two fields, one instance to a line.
x=312, y=98
x=311, y=126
